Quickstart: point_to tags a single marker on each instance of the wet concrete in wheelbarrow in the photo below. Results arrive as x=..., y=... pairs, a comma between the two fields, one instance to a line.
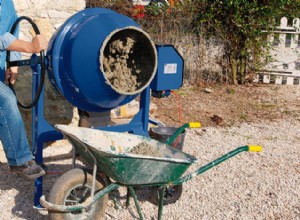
x=146, y=150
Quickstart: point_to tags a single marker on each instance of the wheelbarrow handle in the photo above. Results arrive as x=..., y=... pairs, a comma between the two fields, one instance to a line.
x=181, y=129
x=251, y=148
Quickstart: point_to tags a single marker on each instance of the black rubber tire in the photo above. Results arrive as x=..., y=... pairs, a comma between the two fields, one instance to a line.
x=172, y=194
x=76, y=179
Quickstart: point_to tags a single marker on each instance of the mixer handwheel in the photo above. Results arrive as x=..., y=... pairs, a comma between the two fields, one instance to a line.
x=73, y=188
x=23, y=62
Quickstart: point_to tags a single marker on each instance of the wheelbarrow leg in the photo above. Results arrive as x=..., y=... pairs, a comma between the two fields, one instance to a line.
x=128, y=195
x=114, y=194
x=161, y=202
x=132, y=192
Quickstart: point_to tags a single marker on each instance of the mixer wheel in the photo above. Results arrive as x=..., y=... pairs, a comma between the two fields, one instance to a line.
x=172, y=194
x=73, y=188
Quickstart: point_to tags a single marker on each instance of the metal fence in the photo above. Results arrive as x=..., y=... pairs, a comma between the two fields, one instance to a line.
x=284, y=67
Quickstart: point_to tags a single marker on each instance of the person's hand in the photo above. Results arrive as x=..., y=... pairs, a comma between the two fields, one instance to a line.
x=39, y=43
x=11, y=74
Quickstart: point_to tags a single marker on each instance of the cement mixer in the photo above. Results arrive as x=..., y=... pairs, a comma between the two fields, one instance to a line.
x=99, y=60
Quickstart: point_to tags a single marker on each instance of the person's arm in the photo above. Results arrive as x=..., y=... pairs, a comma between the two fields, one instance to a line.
x=9, y=42
x=37, y=44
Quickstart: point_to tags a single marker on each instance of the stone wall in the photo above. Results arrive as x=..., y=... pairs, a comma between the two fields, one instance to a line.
x=48, y=14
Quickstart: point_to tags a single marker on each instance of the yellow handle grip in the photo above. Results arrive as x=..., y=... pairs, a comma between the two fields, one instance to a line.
x=254, y=148
x=194, y=125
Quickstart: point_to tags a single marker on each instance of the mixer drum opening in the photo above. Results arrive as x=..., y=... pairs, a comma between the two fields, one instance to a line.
x=128, y=60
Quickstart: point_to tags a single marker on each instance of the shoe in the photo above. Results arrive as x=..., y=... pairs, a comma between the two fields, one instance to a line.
x=30, y=170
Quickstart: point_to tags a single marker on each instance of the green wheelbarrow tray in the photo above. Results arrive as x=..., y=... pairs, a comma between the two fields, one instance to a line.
x=113, y=156
x=111, y=153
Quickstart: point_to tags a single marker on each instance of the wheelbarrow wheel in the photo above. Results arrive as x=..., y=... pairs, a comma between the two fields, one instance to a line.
x=73, y=188
x=172, y=194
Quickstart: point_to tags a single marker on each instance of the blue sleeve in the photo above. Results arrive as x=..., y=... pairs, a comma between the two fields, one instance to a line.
x=5, y=41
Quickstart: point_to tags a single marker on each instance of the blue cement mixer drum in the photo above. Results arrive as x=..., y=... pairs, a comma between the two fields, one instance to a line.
x=99, y=60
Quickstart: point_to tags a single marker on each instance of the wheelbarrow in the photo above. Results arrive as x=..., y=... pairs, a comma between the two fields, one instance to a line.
x=123, y=160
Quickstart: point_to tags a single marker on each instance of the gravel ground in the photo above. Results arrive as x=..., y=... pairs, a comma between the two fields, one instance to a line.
x=249, y=186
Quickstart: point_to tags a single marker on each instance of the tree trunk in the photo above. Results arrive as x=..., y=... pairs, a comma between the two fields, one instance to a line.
x=242, y=72
x=234, y=70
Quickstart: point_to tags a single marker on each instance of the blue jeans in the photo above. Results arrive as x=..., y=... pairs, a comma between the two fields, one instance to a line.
x=12, y=131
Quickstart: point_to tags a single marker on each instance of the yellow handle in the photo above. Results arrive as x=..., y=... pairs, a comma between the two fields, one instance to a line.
x=194, y=125
x=255, y=148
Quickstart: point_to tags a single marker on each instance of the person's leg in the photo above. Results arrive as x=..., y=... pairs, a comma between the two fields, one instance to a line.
x=12, y=131
x=13, y=137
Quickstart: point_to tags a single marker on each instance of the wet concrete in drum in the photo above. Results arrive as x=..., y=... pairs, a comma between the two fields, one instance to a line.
x=125, y=62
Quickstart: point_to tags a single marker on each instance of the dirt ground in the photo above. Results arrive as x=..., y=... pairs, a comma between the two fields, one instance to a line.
x=225, y=105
